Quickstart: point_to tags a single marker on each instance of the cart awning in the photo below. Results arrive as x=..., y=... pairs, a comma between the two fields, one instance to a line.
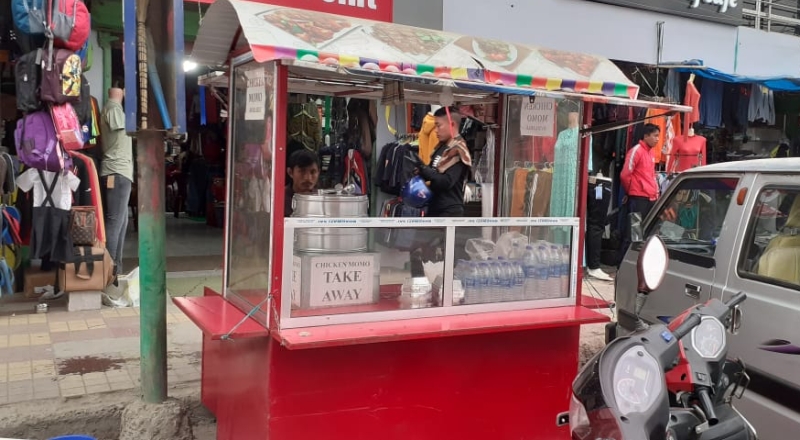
x=280, y=33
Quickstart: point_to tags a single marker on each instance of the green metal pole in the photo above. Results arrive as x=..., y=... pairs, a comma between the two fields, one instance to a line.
x=105, y=41
x=152, y=265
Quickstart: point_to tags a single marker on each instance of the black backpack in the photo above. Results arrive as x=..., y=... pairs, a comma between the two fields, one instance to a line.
x=28, y=74
x=83, y=108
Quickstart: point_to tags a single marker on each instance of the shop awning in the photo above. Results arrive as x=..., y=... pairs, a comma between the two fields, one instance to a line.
x=775, y=83
x=280, y=33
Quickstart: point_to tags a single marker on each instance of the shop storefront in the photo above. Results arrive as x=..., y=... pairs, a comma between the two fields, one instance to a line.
x=322, y=328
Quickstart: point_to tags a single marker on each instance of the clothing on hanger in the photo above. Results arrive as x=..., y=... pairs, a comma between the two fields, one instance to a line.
x=304, y=125
x=655, y=117
x=692, y=99
x=52, y=200
x=565, y=172
x=428, y=140
x=762, y=105
x=711, y=103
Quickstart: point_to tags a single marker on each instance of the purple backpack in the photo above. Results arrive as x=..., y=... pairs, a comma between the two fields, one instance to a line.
x=37, y=143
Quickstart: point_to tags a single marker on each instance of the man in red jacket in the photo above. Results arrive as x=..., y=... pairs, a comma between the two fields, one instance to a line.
x=638, y=178
x=638, y=174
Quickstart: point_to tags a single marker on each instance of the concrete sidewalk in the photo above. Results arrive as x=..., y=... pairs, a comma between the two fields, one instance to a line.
x=71, y=354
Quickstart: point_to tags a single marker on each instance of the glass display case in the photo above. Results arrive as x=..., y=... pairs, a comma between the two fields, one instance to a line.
x=339, y=265
x=249, y=222
x=476, y=274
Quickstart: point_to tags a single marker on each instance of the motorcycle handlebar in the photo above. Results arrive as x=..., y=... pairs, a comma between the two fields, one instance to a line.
x=691, y=321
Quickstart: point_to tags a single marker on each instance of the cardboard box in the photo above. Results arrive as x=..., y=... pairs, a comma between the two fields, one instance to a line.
x=335, y=280
x=35, y=277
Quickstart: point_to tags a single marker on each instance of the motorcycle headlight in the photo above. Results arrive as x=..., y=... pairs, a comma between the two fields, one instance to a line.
x=578, y=420
x=708, y=338
x=638, y=381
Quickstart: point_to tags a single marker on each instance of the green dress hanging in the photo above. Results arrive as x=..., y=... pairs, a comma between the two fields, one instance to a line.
x=565, y=175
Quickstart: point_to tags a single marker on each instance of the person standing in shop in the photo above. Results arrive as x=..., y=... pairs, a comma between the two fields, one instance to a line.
x=448, y=171
x=638, y=178
x=116, y=174
x=449, y=166
x=303, y=172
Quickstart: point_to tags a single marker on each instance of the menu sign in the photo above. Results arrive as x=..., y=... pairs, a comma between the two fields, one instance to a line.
x=538, y=117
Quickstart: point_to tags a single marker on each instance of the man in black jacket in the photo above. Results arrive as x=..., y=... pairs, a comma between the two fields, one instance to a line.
x=449, y=167
x=447, y=173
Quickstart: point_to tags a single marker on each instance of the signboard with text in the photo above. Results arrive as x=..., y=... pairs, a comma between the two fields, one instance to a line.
x=378, y=10
x=335, y=280
x=719, y=11
x=538, y=117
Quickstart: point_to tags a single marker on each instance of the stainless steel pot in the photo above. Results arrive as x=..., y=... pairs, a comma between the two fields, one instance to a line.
x=330, y=206
x=330, y=240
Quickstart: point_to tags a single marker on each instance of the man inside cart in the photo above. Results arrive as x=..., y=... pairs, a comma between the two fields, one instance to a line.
x=303, y=173
x=448, y=172
x=449, y=168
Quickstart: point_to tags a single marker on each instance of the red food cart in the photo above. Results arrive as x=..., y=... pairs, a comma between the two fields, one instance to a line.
x=320, y=332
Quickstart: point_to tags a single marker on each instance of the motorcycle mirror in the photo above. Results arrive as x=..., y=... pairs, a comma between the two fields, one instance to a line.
x=652, y=265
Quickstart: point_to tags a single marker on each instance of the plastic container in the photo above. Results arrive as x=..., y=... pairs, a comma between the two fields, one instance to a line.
x=528, y=264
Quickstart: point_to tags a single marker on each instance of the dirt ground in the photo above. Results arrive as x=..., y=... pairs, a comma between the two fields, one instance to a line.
x=97, y=415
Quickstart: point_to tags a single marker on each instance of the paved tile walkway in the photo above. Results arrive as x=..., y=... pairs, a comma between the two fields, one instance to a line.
x=63, y=354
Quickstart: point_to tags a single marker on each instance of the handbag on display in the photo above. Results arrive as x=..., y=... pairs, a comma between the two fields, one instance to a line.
x=91, y=269
x=83, y=225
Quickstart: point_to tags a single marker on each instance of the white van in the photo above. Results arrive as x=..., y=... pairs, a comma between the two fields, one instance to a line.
x=734, y=227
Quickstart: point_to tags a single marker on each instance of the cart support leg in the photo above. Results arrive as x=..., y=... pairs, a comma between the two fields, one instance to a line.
x=152, y=265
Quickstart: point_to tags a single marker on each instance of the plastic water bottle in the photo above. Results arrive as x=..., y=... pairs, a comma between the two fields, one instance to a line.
x=483, y=283
x=508, y=281
x=519, y=281
x=529, y=262
x=565, y=267
x=554, y=274
x=542, y=271
x=516, y=251
x=468, y=280
x=459, y=271
x=496, y=288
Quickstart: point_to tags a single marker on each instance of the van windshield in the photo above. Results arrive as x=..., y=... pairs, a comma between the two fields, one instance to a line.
x=692, y=217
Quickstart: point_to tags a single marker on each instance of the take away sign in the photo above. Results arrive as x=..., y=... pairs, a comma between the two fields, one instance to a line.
x=378, y=10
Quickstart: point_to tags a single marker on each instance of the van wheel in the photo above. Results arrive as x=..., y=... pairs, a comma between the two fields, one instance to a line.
x=611, y=331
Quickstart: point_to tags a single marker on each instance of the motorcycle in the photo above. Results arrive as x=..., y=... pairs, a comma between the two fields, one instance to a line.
x=664, y=382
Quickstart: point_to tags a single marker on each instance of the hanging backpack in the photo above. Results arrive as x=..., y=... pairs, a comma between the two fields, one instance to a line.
x=70, y=23
x=68, y=128
x=29, y=16
x=27, y=76
x=87, y=55
x=83, y=108
x=37, y=143
x=61, y=78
